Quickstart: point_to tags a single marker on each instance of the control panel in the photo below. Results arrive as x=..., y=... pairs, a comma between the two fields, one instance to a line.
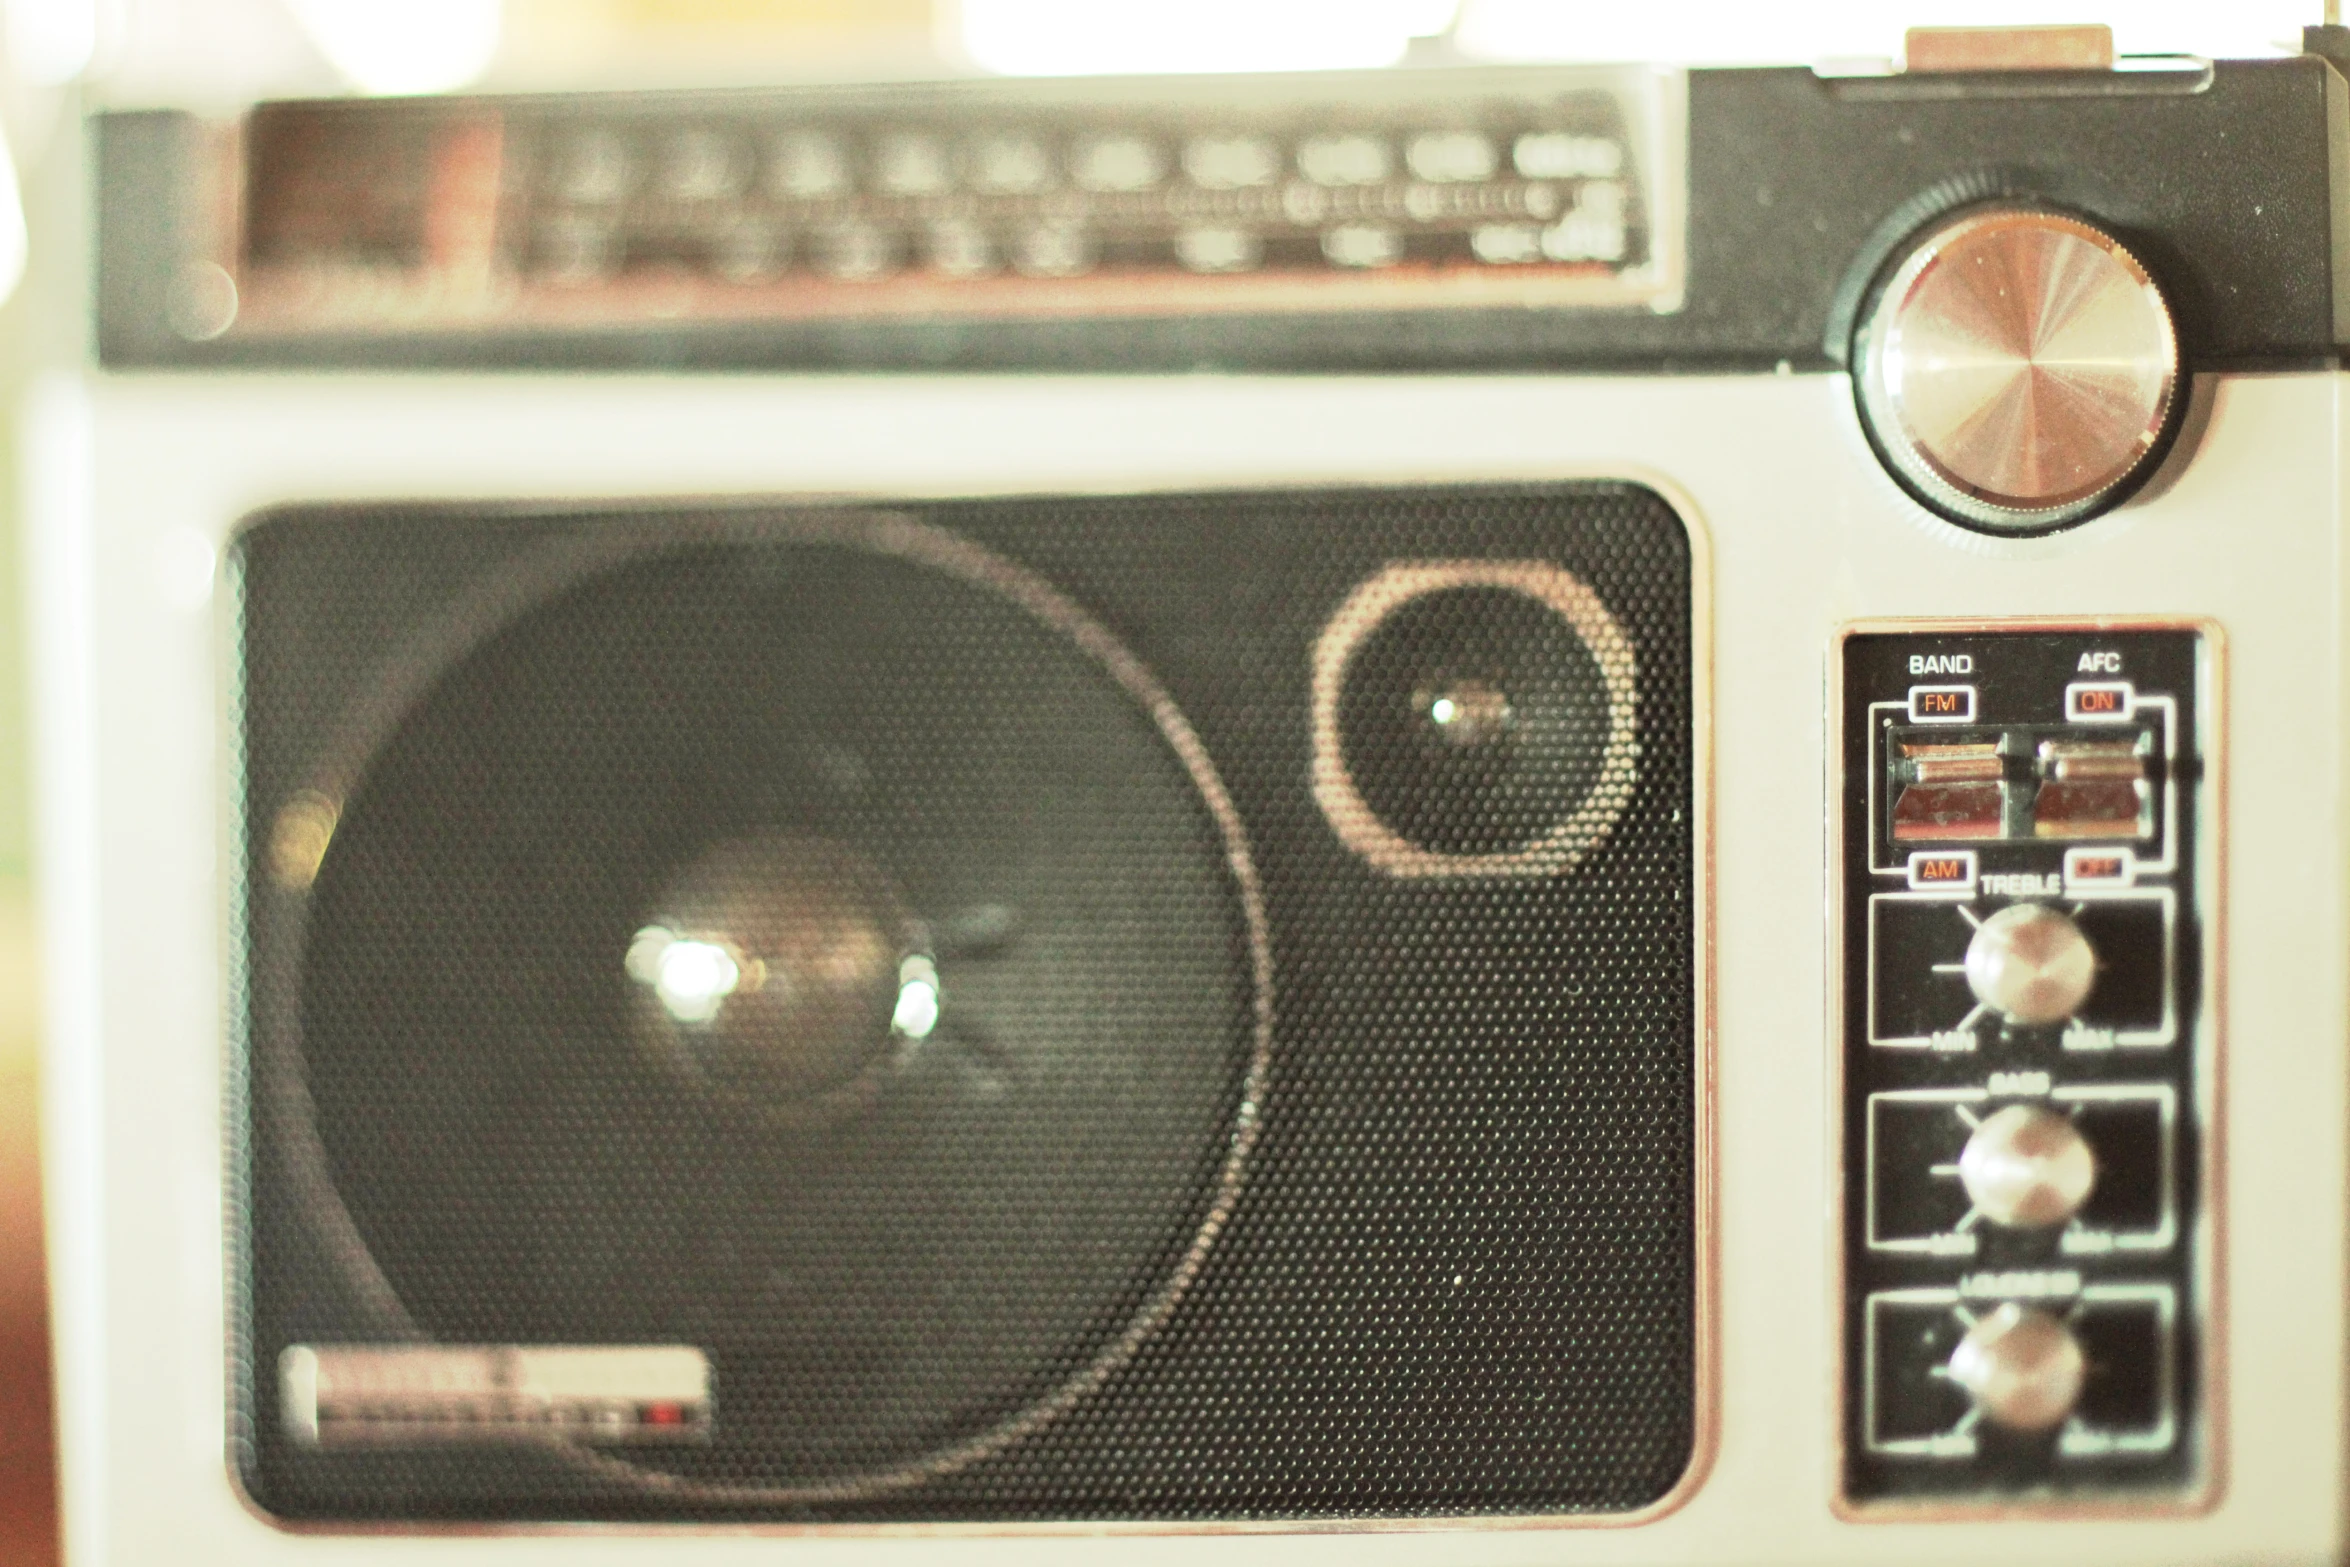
x=2026, y=1059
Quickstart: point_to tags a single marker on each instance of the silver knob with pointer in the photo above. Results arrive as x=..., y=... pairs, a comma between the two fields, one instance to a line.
x=2030, y=963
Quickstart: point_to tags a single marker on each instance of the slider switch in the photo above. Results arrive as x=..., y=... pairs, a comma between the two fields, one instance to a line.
x=1949, y=792
x=2093, y=789
x=2031, y=963
x=2026, y=1167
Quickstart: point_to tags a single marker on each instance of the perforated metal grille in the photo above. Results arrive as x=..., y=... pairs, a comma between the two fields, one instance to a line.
x=1457, y=1273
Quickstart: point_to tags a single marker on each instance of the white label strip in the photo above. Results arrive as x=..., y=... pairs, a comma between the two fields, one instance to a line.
x=378, y=1394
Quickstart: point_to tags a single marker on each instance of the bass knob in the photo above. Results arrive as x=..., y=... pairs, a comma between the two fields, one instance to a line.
x=2027, y=1167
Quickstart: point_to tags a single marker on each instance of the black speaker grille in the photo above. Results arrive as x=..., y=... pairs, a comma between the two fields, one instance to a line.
x=1443, y=1216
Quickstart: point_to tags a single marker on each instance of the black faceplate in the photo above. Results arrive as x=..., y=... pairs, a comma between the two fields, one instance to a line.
x=1952, y=810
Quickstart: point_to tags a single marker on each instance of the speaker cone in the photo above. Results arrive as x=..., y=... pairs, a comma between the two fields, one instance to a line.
x=811, y=939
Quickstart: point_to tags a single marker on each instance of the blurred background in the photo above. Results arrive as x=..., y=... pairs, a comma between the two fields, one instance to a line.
x=59, y=59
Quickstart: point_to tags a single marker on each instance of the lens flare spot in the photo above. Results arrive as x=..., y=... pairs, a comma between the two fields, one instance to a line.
x=692, y=979
x=918, y=1001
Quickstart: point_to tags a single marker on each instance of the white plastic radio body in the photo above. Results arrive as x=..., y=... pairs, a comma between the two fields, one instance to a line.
x=1817, y=519
x=141, y=480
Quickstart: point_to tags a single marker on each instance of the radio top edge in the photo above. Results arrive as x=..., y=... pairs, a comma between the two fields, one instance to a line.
x=1445, y=217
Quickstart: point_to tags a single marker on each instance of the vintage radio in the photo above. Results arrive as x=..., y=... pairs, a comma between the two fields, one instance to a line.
x=1507, y=813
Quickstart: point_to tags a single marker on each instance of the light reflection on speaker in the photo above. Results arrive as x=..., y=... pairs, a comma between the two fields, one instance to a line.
x=782, y=973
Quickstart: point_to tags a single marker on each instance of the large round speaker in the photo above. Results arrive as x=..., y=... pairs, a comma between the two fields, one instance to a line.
x=811, y=939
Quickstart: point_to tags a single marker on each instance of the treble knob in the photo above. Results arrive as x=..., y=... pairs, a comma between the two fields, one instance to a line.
x=2019, y=371
x=2031, y=963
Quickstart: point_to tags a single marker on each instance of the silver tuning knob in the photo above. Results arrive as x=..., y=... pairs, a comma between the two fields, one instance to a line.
x=2022, y=1367
x=2019, y=370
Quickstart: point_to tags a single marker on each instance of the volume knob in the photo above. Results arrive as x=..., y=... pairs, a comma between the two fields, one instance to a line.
x=2023, y=1368
x=2032, y=963
x=2018, y=371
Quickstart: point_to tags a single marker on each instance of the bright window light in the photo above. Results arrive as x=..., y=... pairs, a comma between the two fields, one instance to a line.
x=1080, y=37
x=412, y=46
x=50, y=41
x=12, y=230
x=1738, y=32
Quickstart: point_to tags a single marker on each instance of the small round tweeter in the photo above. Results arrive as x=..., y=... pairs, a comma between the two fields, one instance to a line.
x=2019, y=370
x=1474, y=718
